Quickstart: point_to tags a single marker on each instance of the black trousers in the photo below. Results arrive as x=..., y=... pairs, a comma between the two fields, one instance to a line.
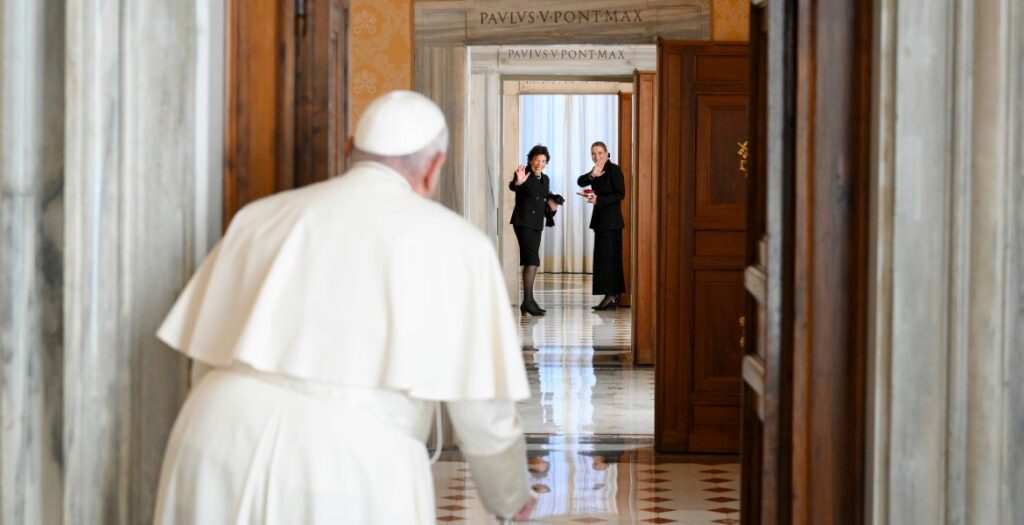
x=608, y=278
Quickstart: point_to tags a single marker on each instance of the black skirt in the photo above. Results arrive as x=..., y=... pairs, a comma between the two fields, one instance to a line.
x=529, y=245
x=608, y=279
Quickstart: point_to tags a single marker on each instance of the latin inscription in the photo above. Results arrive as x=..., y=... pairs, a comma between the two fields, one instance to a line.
x=565, y=54
x=578, y=16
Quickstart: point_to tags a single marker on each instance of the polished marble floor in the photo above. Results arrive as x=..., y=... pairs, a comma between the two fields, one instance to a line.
x=590, y=426
x=578, y=364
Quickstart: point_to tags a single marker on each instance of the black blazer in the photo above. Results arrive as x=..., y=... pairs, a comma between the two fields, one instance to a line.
x=610, y=189
x=531, y=201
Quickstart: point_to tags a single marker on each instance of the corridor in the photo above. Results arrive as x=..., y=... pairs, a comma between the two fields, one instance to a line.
x=590, y=429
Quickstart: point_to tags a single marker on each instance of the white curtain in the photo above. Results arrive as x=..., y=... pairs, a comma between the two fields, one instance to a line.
x=568, y=125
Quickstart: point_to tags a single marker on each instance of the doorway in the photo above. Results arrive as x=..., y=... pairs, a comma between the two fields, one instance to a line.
x=577, y=356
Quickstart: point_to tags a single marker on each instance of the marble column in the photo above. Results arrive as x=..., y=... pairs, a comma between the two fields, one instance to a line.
x=483, y=165
x=1014, y=474
x=508, y=248
x=1011, y=482
x=947, y=417
x=31, y=244
x=441, y=73
x=142, y=183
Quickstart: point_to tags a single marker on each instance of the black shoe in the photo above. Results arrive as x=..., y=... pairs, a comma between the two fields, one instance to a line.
x=531, y=308
x=533, y=304
x=607, y=304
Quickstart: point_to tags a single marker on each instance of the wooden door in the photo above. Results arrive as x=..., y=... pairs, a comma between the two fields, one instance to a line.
x=625, y=162
x=321, y=76
x=766, y=401
x=645, y=182
x=703, y=118
x=804, y=363
x=286, y=98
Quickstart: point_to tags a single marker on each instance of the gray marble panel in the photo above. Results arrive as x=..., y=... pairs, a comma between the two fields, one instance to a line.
x=1013, y=482
x=483, y=156
x=161, y=236
x=479, y=206
x=947, y=413
x=921, y=294
x=31, y=244
x=442, y=74
x=97, y=398
x=137, y=199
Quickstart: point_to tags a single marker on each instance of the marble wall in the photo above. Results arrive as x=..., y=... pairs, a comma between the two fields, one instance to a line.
x=442, y=74
x=31, y=262
x=1014, y=479
x=947, y=421
x=110, y=180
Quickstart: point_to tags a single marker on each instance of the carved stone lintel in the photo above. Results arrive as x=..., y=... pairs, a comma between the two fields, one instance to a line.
x=541, y=22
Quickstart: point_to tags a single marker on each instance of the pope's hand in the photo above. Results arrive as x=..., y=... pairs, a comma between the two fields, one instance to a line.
x=524, y=513
x=520, y=175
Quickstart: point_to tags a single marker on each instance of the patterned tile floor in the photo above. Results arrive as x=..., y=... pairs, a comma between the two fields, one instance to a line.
x=590, y=424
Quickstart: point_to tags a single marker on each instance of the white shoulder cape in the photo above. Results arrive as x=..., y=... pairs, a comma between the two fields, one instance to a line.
x=355, y=281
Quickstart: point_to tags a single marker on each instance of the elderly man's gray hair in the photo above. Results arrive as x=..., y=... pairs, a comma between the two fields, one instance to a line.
x=412, y=165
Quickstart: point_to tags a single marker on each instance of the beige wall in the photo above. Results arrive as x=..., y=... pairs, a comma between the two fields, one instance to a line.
x=730, y=20
x=381, y=50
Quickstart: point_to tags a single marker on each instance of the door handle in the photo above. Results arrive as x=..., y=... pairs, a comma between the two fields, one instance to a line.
x=743, y=332
x=743, y=152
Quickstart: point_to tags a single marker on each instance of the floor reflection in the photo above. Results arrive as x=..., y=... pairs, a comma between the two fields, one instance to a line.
x=590, y=426
x=607, y=486
x=585, y=400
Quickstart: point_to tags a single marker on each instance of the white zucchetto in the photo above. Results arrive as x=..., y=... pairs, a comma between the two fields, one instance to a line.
x=399, y=123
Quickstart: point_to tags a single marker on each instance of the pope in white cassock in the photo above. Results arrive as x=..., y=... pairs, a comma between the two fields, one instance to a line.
x=331, y=320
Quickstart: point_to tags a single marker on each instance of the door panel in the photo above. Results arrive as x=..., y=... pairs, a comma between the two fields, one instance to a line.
x=644, y=305
x=260, y=85
x=721, y=124
x=286, y=97
x=719, y=305
x=320, y=80
x=703, y=111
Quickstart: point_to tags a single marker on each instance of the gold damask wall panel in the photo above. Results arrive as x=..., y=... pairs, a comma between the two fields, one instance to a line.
x=730, y=20
x=381, y=50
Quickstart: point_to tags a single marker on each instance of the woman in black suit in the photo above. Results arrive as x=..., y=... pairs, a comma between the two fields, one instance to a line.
x=532, y=188
x=609, y=188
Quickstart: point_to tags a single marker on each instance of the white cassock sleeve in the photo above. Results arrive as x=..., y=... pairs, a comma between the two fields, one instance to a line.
x=490, y=435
